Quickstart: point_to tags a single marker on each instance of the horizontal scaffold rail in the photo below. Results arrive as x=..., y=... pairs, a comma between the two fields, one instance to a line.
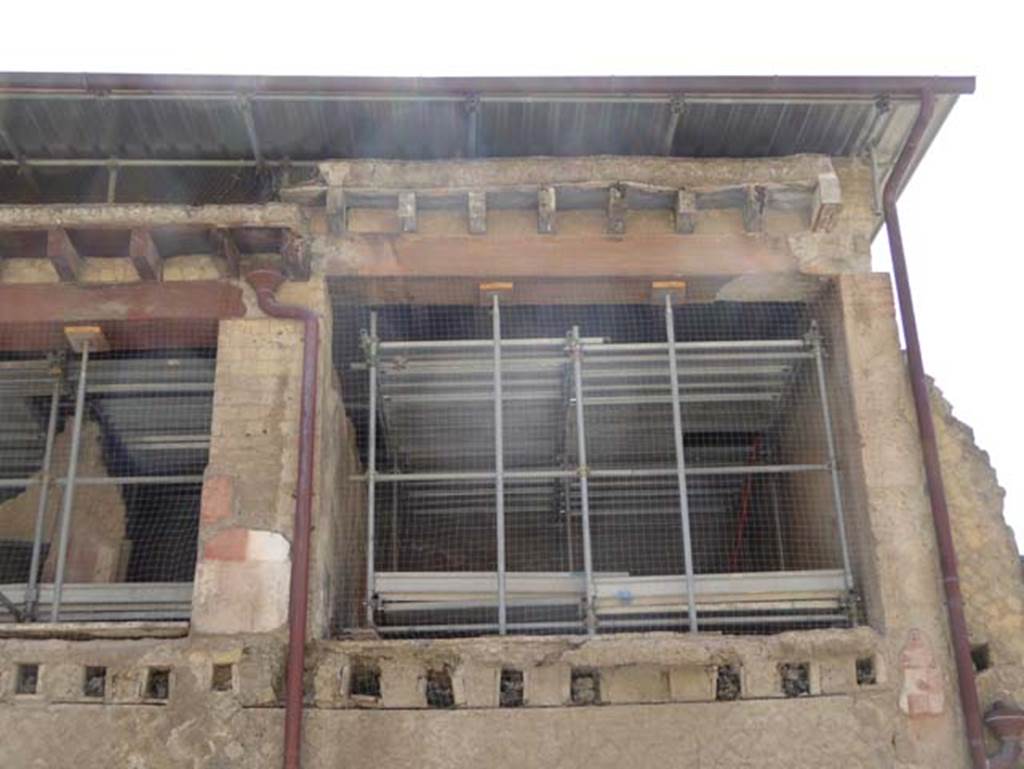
x=110, y=601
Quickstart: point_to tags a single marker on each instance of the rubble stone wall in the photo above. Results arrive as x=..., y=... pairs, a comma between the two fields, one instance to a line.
x=96, y=545
x=990, y=575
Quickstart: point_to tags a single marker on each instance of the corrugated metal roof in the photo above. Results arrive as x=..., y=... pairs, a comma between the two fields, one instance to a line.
x=202, y=140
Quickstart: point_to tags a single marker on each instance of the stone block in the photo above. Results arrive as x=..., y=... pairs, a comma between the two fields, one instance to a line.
x=835, y=675
x=476, y=686
x=126, y=684
x=402, y=684
x=692, y=684
x=261, y=676
x=635, y=683
x=546, y=685
x=330, y=682
x=63, y=682
x=241, y=583
x=761, y=679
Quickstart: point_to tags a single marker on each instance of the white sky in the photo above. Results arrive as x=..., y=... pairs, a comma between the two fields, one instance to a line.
x=961, y=214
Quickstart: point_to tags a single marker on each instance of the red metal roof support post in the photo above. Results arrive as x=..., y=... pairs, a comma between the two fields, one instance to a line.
x=969, y=702
x=266, y=282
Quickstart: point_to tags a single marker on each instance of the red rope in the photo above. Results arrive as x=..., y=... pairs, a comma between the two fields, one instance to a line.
x=734, y=558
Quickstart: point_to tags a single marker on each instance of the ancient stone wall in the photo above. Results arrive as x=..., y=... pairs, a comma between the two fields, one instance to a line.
x=216, y=701
x=248, y=494
x=989, y=560
x=96, y=545
x=878, y=696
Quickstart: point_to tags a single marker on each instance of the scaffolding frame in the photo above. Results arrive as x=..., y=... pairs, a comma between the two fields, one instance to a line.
x=794, y=596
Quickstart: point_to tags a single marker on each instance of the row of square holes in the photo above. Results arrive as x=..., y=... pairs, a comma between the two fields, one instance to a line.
x=585, y=686
x=94, y=682
x=585, y=683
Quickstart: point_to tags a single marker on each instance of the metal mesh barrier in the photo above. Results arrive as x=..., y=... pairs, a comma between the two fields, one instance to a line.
x=102, y=453
x=650, y=466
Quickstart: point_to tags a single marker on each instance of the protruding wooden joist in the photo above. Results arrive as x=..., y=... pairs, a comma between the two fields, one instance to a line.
x=685, y=212
x=476, y=206
x=407, y=211
x=224, y=242
x=617, y=209
x=295, y=255
x=546, y=207
x=753, y=208
x=337, y=211
x=145, y=255
x=826, y=204
x=63, y=255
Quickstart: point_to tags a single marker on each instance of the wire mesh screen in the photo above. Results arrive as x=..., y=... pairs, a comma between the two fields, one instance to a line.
x=102, y=454
x=624, y=483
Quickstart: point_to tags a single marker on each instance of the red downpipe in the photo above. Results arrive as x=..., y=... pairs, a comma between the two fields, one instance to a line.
x=266, y=283
x=969, y=702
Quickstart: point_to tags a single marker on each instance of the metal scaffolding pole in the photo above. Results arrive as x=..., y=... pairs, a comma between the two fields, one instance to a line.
x=499, y=467
x=371, y=470
x=677, y=429
x=549, y=474
x=774, y=489
x=394, y=527
x=69, y=489
x=833, y=462
x=581, y=440
x=32, y=592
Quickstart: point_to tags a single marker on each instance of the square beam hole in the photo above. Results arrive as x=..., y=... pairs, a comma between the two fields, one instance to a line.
x=585, y=686
x=223, y=679
x=27, y=680
x=95, y=684
x=867, y=675
x=796, y=678
x=364, y=680
x=158, y=684
x=439, y=689
x=510, y=695
x=981, y=656
x=727, y=683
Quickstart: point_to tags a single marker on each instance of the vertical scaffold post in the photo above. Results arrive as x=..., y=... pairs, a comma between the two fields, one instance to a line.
x=576, y=350
x=32, y=593
x=677, y=430
x=779, y=546
x=371, y=471
x=499, y=466
x=69, y=488
x=814, y=338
